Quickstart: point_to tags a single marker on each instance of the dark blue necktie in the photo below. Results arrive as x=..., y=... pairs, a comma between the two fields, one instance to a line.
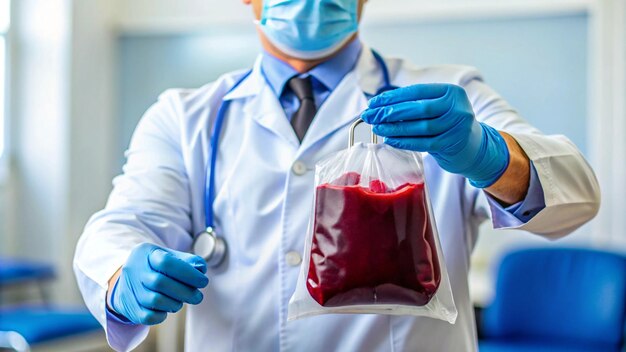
x=302, y=118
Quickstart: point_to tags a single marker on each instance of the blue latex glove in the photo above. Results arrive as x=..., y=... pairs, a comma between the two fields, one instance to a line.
x=155, y=281
x=438, y=119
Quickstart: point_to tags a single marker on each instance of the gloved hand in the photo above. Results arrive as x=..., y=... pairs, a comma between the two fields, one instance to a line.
x=155, y=281
x=438, y=119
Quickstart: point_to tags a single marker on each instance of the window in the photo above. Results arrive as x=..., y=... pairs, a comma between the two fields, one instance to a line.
x=4, y=29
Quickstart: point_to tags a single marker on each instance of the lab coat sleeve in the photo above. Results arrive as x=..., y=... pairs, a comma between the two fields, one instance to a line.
x=570, y=189
x=150, y=202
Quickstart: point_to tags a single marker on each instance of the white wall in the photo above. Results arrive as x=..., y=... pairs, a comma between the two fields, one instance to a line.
x=92, y=110
x=38, y=114
x=167, y=16
x=607, y=118
x=61, y=113
x=141, y=15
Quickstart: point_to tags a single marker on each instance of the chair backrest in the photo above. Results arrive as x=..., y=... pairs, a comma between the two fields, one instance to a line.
x=570, y=295
x=19, y=271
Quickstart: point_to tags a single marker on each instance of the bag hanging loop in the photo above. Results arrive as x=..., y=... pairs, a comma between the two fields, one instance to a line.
x=351, y=133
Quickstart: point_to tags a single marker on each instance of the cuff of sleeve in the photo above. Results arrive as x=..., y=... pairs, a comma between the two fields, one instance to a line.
x=521, y=212
x=113, y=316
x=122, y=335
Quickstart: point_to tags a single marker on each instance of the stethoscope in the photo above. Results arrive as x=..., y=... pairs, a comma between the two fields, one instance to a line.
x=208, y=244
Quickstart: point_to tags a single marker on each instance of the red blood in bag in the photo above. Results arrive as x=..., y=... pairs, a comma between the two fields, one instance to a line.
x=372, y=248
x=378, y=186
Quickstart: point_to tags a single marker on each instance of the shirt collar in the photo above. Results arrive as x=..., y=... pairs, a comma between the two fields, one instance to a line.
x=329, y=72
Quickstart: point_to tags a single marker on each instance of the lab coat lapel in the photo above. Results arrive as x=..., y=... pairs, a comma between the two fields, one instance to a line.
x=347, y=101
x=343, y=106
x=262, y=105
x=266, y=110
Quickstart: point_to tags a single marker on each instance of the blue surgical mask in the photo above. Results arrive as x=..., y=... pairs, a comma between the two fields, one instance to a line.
x=309, y=29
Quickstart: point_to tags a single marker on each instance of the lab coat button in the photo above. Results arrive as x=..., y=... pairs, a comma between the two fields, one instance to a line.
x=299, y=168
x=293, y=258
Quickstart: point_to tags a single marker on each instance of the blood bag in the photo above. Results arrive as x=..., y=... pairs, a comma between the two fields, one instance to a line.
x=372, y=244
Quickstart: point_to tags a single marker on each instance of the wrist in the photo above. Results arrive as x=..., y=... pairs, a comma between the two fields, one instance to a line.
x=512, y=186
x=111, y=289
x=492, y=159
x=110, y=299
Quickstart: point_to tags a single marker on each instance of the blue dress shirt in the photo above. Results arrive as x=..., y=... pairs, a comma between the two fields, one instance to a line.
x=325, y=77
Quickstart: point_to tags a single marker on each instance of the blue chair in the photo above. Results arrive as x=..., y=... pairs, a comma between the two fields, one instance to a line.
x=18, y=271
x=44, y=324
x=557, y=300
x=41, y=326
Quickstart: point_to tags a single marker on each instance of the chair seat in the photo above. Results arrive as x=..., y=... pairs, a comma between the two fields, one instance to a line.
x=44, y=323
x=543, y=346
x=13, y=271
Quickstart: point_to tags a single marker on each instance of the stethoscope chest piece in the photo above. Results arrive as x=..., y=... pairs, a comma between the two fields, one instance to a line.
x=210, y=247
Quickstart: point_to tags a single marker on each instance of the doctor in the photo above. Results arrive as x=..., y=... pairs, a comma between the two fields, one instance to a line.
x=293, y=108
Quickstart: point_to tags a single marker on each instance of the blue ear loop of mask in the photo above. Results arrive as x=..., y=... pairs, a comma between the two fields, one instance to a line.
x=309, y=29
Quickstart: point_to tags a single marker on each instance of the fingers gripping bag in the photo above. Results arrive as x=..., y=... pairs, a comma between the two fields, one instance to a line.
x=372, y=246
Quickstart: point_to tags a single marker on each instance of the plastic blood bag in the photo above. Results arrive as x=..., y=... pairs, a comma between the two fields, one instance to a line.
x=372, y=245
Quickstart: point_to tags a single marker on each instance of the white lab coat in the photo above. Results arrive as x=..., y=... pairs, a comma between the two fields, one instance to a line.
x=263, y=204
